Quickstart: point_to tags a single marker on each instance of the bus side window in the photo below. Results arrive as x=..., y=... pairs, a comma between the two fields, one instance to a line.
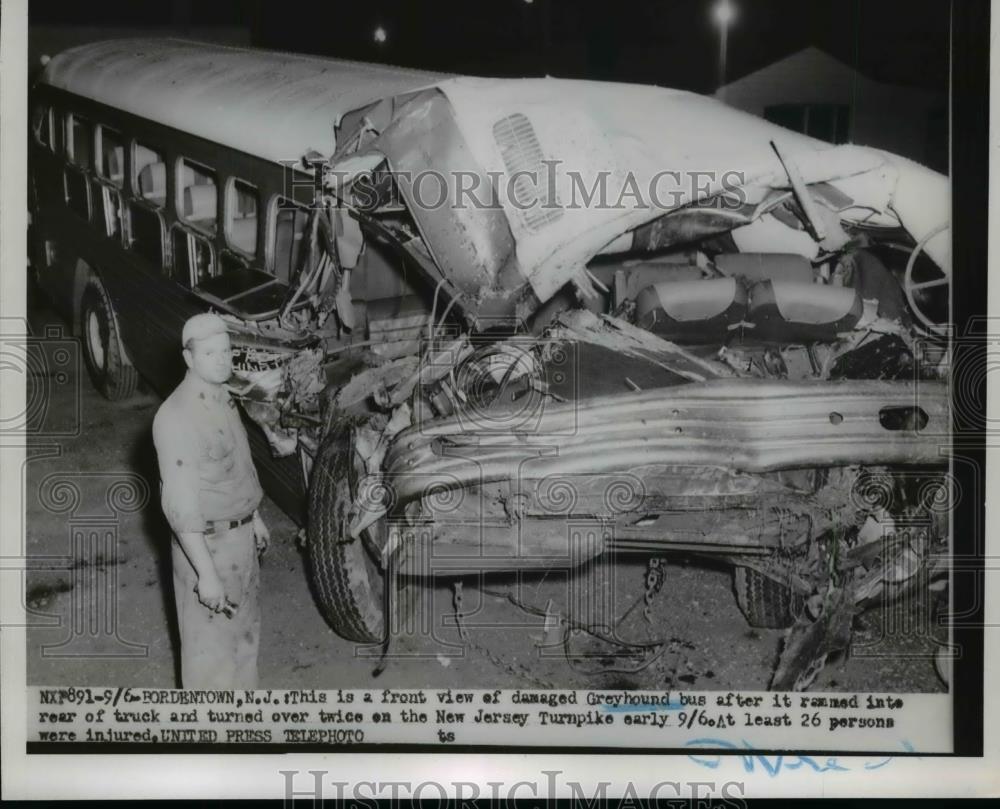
x=146, y=234
x=112, y=156
x=79, y=152
x=111, y=207
x=197, y=195
x=242, y=205
x=193, y=260
x=290, y=234
x=111, y=170
x=79, y=141
x=149, y=175
x=43, y=127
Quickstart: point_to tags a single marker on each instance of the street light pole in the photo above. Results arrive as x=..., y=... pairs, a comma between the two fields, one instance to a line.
x=543, y=35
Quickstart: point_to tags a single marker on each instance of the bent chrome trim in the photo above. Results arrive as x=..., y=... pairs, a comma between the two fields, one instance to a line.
x=745, y=425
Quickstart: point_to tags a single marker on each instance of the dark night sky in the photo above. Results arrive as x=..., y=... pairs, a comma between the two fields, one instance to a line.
x=668, y=42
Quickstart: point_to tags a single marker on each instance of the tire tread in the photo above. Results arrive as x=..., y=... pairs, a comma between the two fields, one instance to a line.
x=343, y=591
x=119, y=379
x=765, y=603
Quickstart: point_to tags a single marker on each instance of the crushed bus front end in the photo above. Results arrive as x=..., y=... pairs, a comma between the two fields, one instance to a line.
x=752, y=371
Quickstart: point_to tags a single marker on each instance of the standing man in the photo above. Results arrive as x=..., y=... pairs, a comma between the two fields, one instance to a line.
x=210, y=495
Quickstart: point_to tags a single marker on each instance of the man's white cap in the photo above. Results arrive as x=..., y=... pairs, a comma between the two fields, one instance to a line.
x=201, y=326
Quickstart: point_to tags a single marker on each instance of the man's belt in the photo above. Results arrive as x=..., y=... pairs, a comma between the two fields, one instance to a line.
x=218, y=526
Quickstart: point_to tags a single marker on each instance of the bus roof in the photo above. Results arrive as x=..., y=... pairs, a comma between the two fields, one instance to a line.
x=274, y=105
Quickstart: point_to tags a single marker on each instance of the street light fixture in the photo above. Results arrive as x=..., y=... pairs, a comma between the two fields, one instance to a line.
x=724, y=12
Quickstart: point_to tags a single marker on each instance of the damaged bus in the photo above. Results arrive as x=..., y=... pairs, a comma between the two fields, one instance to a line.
x=494, y=325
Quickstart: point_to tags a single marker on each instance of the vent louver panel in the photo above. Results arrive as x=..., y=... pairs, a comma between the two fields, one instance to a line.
x=521, y=152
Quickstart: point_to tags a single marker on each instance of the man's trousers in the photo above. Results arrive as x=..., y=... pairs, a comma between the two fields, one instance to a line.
x=216, y=651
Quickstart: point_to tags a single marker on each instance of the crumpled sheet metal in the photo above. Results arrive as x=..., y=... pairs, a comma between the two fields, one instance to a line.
x=271, y=385
x=373, y=499
x=619, y=335
x=283, y=441
x=807, y=644
x=631, y=131
x=381, y=382
x=747, y=424
x=304, y=374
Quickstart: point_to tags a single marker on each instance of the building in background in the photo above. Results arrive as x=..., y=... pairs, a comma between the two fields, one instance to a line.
x=812, y=92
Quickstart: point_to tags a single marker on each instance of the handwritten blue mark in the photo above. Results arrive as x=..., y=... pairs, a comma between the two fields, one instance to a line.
x=774, y=765
x=869, y=765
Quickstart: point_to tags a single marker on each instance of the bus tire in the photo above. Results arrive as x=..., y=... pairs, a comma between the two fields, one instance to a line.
x=348, y=582
x=765, y=603
x=112, y=374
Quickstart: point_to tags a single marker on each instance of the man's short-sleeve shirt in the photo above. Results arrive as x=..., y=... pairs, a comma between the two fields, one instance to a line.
x=206, y=469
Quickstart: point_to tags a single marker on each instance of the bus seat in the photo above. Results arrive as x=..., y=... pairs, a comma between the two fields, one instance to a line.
x=200, y=203
x=708, y=310
x=790, y=310
x=243, y=234
x=753, y=267
x=153, y=181
x=703, y=310
x=289, y=242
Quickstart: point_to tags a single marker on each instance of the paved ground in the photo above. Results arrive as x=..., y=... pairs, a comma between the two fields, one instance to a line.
x=100, y=607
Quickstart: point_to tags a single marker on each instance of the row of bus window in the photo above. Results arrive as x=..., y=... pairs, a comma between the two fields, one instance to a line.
x=101, y=150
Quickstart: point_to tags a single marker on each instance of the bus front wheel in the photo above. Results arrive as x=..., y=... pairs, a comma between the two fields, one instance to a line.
x=112, y=374
x=348, y=582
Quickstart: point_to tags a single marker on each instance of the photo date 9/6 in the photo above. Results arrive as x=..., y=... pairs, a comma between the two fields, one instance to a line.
x=857, y=712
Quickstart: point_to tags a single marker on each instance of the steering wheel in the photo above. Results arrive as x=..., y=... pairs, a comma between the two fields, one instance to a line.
x=910, y=287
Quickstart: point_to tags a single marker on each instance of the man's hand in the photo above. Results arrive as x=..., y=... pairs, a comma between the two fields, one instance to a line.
x=211, y=591
x=261, y=533
x=209, y=588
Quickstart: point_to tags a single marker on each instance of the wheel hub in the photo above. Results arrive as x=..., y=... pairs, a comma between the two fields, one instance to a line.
x=94, y=341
